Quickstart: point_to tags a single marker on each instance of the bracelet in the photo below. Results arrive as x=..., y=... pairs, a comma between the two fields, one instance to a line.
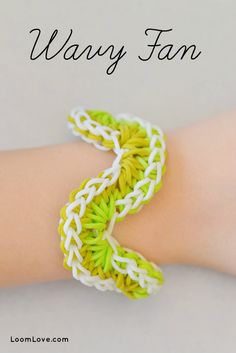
x=86, y=222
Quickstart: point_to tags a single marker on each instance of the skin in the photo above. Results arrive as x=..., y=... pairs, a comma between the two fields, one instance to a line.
x=191, y=220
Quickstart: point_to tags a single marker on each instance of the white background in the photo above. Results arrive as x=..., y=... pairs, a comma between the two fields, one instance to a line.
x=196, y=309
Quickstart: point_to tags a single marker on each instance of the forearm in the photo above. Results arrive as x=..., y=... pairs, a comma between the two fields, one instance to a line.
x=190, y=220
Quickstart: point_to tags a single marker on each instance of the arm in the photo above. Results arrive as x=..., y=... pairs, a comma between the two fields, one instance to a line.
x=191, y=220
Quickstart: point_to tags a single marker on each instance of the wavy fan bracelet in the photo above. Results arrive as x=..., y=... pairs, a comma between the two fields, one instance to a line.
x=87, y=221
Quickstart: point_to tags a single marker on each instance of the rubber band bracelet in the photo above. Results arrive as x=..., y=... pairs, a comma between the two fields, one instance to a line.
x=86, y=223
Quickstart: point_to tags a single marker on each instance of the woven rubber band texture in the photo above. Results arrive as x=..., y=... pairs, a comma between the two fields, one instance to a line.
x=87, y=221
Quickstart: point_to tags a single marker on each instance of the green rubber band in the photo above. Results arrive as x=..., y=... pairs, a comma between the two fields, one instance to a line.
x=87, y=221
